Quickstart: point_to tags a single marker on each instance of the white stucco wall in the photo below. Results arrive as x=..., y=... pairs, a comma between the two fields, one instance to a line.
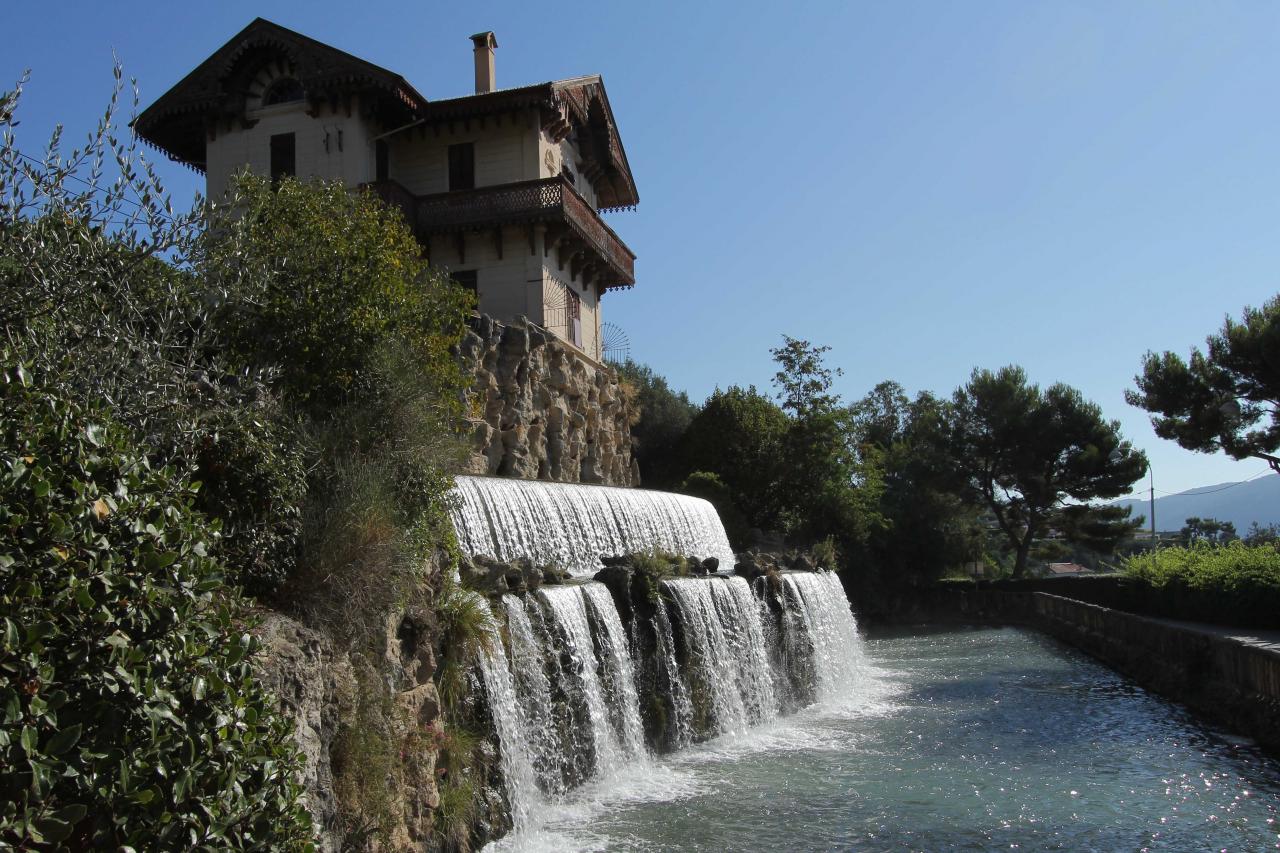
x=510, y=286
x=520, y=283
x=506, y=152
x=348, y=158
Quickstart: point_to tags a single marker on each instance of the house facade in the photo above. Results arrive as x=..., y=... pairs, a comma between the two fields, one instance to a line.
x=504, y=188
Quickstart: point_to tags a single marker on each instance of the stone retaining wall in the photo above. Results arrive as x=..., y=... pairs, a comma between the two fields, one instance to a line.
x=539, y=409
x=1227, y=679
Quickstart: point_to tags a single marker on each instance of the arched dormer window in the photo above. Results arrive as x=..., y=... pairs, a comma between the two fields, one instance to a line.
x=285, y=90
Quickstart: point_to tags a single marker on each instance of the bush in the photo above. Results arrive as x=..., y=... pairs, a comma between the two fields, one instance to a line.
x=100, y=292
x=333, y=277
x=1231, y=584
x=1234, y=584
x=130, y=713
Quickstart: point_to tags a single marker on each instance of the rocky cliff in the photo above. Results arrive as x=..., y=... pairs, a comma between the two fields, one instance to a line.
x=540, y=409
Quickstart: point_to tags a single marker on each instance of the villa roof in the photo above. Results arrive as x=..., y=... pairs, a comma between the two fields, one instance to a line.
x=217, y=90
x=216, y=94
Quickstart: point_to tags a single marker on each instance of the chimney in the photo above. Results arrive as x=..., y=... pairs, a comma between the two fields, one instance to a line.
x=485, y=78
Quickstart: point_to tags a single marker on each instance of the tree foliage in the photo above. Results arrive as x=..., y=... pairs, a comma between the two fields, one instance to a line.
x=129, y=714
x=930, y=523
x=1209, y=530
x=1225, y=398
x=1026, y=453
x=665, y=414
x=737, y=436
x=323, y=279
x=100, y=296
x=827, y=485
x=290, y=352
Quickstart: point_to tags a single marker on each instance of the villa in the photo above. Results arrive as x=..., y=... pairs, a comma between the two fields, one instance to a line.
x=504, y=187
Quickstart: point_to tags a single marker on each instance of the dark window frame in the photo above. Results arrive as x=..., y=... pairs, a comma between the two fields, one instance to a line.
x=462, y=166
x=284, y=155
x=468, y=279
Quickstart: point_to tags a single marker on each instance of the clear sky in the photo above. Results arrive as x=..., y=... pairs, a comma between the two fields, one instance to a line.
x=924, y=187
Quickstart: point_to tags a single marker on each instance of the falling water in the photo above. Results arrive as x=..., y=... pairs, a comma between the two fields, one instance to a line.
x=517, y=765
x=571, y=526
x=616, y=672
x=529, y=654
x=599, y=665
x=817, y=604
x=728, y=667
x=681, y=705
x=715, y=657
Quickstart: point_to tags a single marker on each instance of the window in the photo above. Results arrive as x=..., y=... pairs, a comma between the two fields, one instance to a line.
x=575, y=318
x=462, y=166
x=283, y=156
x=381, y=157
x=283, y=91
x=466, y=278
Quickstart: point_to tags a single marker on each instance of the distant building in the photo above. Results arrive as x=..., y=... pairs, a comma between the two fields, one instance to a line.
x=503, y=187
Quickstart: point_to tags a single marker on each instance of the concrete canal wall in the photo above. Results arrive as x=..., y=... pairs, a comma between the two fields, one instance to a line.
x=1230, y=677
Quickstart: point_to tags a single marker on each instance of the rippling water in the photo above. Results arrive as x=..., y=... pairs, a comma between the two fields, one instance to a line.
x=960, y=740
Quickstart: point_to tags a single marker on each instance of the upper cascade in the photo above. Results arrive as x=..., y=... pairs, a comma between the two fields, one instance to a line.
x=571, y=526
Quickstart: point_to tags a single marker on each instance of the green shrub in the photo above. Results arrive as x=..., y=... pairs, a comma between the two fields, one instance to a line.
x=1233, y=584
x=129, y=713
x=333, y=276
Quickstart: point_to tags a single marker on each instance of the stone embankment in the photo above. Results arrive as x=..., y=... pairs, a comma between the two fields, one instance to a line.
x=348, y=708
x=539, y=409
x=1232, y=680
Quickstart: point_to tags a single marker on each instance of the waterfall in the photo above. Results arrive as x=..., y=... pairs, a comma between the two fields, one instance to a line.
x=587, y=683
x=616, y=672
x=517, y=766
x=597, y=665
x=669, y=667
x=571, y=526
x=537, y=712
x=728, y=667
x=818, y=607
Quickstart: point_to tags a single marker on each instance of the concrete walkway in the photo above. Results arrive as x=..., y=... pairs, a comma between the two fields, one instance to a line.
x=1260, y=639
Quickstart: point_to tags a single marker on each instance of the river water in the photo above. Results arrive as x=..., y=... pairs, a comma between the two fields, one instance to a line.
x=955, y=740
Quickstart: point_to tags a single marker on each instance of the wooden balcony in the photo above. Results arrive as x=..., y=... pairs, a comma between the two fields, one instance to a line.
x=572, y=227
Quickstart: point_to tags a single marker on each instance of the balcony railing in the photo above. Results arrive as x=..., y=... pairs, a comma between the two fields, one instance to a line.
x=549, y=201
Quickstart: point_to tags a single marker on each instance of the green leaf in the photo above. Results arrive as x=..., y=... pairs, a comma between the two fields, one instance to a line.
x=63, y=740
x=72, y=814
x=53, y=830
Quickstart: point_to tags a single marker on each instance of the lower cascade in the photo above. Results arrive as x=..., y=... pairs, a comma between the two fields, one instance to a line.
x=589, y=677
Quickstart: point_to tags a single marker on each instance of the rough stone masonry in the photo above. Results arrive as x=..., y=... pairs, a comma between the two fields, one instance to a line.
x=539, y=409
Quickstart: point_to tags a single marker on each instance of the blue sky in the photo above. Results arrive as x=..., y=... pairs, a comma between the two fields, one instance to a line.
x=924, y=187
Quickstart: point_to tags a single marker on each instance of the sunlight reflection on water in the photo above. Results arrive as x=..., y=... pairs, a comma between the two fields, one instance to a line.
x=963, y=740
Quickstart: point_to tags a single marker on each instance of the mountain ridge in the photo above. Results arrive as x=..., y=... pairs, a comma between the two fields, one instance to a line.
x=1242, y=503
